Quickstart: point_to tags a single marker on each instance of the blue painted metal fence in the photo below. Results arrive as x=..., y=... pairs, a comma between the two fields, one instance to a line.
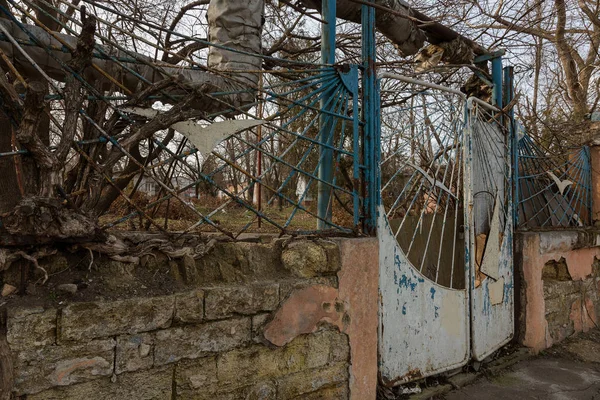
x=308, y=165
x=552, y=190
x=311, y=165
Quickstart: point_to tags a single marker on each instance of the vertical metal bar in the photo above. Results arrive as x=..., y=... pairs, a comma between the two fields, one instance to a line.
x=369, y=116
x=324, y=189
x=356, y=154
x=514, y=142
x=258, y=186
x=588, y=184
x=497, y=81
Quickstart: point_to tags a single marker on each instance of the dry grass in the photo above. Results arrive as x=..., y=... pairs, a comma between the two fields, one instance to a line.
x=232, y=217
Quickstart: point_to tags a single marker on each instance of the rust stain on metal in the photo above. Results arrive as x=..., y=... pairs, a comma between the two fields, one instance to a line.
x=412, y=375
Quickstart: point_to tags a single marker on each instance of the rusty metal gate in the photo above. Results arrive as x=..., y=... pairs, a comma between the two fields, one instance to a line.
x=445, y=231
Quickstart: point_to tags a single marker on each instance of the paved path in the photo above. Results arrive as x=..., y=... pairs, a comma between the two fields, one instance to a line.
x=541, y=378
x=570, y=371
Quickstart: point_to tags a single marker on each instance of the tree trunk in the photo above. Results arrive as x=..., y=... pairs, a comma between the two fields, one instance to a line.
x=10, y=189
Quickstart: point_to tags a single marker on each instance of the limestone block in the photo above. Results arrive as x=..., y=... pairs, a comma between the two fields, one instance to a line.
x=258, y=391
x=154, y=384
x=134, y=352
x=305, y=382
x=318, y=348
x=197, y=375
x=30, y=327
x=189, y=307
x=338, y=392
x=306, y=259
x=332, y=249
x=193, y=341
x=340, y=347
x=223, y=302
x=258, y=363
x=49, y=366
x=555, y=288
x=84, y=321
x=258, y=323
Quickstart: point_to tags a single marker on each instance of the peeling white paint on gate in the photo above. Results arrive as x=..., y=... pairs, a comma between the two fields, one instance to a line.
x=492, y=322
x=423, y=326
x=492, y=313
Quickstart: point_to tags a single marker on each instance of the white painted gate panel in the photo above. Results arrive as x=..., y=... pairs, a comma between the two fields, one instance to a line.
x=490, y=233
x=424, y=326
x=445, y=234
x=492, y=307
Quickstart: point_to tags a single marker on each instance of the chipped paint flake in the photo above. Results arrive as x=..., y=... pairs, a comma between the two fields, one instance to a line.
x=491, y=257
x=496, y=291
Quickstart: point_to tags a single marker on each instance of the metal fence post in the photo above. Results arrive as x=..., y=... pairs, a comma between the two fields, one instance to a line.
x=497, y=81
x=509, y=91
x=326, y=123
x=370, y=115
x=588, y=183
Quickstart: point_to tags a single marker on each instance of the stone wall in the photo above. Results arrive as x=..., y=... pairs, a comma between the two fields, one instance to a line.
x=261, y=320
x=559, y=276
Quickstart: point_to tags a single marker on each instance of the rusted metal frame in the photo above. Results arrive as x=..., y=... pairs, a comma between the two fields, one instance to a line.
x=259, y=180
x=192, y=151
x=331, y=103
x=533, y=149
x=456, y=166
x=531, y=164
x=168, y=175
x=259, y=153
x=481, y=114
x=573, y=200
x=326, y=78
x=279, y=194
x=428, y=196
x=351, y=183
x=419, y=189
x=483, y=313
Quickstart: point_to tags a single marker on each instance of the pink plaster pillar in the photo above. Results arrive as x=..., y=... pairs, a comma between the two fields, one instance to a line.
x=359, y=289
